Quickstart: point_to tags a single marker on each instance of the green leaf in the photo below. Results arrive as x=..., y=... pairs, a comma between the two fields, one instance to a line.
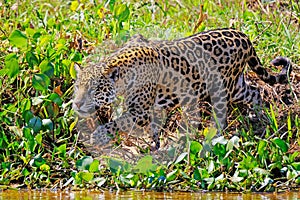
x=94, y=167
x=72, y=70
x=12, y=65
x=112, y=4
x=76, y=57
x=84, y=163
x=18, y=39
x=3, y=72
x=47, y=68
x=86, y=176
x=122, y=12
x=51, y=22
x=172, y=175
x=274, y=125
x=195, y=147
x=294, y=156
x=30, y=32
x=6, y=165
x=25, y=172
x=36, y=35
x=55, y=98
x=62, y=149
x=196, y=174
x=45, y=167
x=145, y=164
x=262, y=148
x=39, y=138
x=281, y=144
x=48, y=124
x=37, y=161
x=248, y=162
x=27, y=115
x=44, y=41
x=26, y=104
x=27, y=133
x=40, y=82
x=210, y=133
x=220, y=150
x=296, y=166
x=35, y=123
x=115, y=165
x=31, y=59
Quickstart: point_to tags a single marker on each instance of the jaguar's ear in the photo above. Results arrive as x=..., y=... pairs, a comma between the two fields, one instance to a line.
x=114, y=74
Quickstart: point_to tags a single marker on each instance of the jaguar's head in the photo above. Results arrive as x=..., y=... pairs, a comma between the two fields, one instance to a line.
x=93, y=88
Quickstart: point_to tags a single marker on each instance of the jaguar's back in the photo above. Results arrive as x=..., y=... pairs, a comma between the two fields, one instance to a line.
x=211, y=65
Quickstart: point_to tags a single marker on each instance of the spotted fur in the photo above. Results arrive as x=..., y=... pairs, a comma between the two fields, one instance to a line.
x=162, y=75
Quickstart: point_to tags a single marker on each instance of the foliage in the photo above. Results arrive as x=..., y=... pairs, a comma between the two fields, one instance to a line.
x=41, y=41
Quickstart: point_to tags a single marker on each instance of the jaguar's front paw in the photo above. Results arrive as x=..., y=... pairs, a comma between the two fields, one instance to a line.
x=100, y=136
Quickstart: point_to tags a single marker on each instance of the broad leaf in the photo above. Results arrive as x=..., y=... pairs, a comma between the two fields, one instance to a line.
x=37, y=161
x=262, y=148
x=195, y=147
x=86, y=176
x=48, y=124
x=31, y=59
x=47, y=68
x=40, y=82
x=94, y=167
x=35, y=123
x=84, y=163
x=18, y=39
x=172, y=175
x=281, y=144
x=11, y=65
x=55, y=98
x=145, y=164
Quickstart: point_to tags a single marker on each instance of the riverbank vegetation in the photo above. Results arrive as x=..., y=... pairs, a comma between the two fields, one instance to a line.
x=39, y=148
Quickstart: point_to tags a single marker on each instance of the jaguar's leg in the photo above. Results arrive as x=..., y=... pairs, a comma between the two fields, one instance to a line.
x=155, y=127
x=165, y=103
x=245, y=93
x=136, y=117
x=250, y=96
x=218, y=97
x=129, y=122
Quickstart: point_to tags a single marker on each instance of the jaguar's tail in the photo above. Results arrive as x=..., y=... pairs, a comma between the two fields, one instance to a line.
x=282, y=77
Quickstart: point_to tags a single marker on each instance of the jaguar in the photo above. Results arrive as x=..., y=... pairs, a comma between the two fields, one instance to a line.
x=154, y=76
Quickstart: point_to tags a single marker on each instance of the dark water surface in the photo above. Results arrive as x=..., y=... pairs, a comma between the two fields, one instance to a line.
x=86, y=195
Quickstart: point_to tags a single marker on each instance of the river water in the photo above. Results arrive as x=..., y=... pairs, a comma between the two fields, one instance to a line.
x=137, y=195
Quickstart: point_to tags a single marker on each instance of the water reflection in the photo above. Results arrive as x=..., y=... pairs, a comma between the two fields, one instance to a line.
x=137, y=195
